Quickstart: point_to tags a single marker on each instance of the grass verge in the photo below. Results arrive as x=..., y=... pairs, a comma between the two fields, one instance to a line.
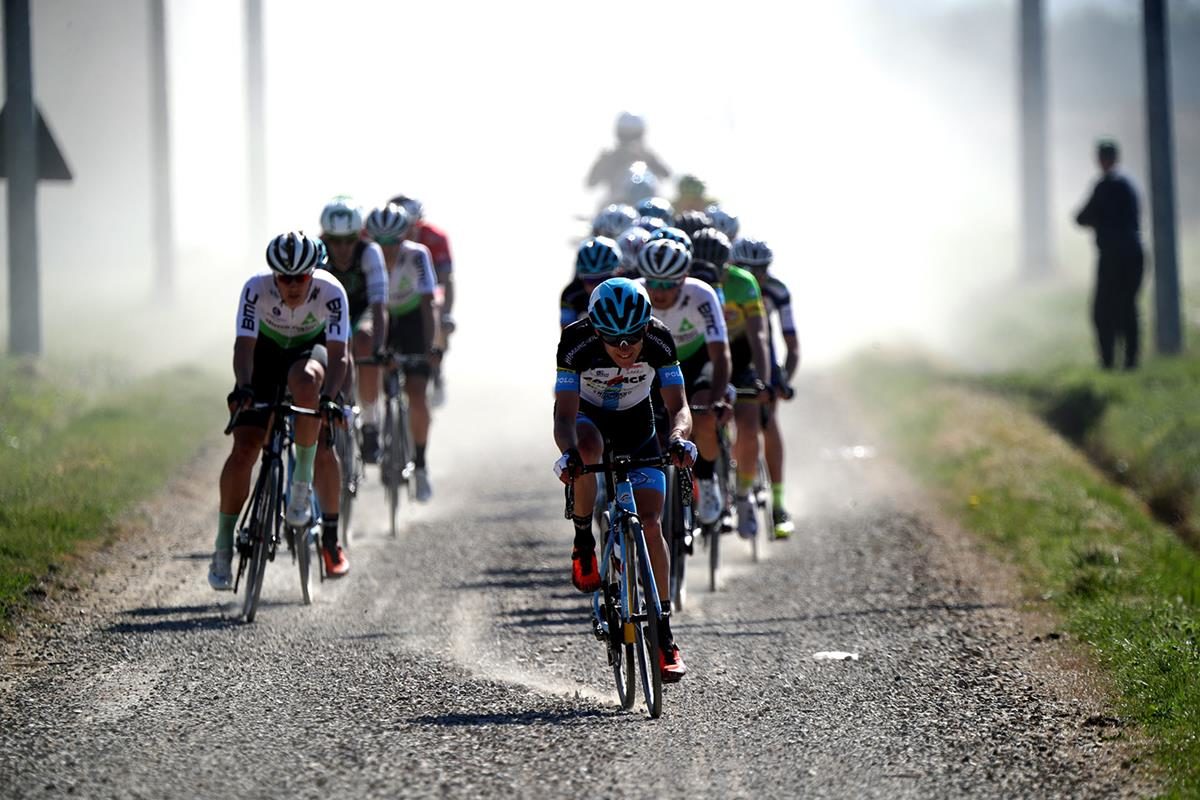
x=76, y=449
x=1124, y=583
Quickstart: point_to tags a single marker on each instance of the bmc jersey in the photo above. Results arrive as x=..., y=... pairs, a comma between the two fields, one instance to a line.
x=365, y=281
x=410, y=279
x=438, y=244
x=777, y=299
x=695, y=320
x=262, y=311
x=573, y=303
x=585, y=367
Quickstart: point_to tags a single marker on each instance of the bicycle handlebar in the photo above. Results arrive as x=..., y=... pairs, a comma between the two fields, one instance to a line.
x=684, y=476
x=286, y=408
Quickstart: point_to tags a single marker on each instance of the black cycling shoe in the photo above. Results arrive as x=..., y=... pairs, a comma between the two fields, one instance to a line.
x=370, y=444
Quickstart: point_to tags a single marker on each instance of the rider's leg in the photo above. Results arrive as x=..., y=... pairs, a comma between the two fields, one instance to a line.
x=418, y=414
x=649, y=506
x=773, y=450
x=368, y=378
x=235, y=480
x=591, y=449
x=704, y=428
x=304, y=382
x=748, y=418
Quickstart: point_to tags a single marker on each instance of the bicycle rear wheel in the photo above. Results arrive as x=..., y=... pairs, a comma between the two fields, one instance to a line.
x=348, y=457
x=393, y=465
x=304, y=557
x=264, y=522
x=765, y=502
x=620, y=652
x=642, y=593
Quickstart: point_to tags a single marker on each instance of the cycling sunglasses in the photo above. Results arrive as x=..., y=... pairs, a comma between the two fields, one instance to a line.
x=388, y=241
x=329, y=239
x=292, y=278
x=664, y=286
x=623, y=339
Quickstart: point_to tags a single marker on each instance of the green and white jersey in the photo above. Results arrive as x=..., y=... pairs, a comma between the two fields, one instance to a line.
x=410, y=279
x=262, y=311
x=695, y=319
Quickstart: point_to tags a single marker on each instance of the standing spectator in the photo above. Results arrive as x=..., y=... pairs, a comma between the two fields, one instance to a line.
x=1112, y=211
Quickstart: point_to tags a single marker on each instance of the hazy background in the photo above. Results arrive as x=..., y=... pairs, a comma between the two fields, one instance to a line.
x=872, y=143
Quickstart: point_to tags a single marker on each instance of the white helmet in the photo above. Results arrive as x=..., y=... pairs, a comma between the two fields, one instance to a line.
x=293, y=253
x=630, y=243
x=389, y=222
x=724, y=221
x=664, y=260
x=341, y=217
x=630, y=126
x=612, y=220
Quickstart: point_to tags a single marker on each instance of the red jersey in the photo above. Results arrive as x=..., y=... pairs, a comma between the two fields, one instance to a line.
x=438, y=244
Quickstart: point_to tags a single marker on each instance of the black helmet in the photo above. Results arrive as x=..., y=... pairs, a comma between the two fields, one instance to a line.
x=709, y=244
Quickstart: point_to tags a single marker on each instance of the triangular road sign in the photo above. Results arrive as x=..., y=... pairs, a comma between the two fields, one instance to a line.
x=51, y=164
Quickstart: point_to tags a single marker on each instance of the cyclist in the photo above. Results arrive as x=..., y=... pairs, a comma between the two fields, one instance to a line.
x=658, y=208
x=673, y=235
x=613, y=220
x=411, y=324
x=631, y=155
x=358, y=265
x=598, y=260
x=691, y=221
x=433, y=237
x=691, y=310
x=630, y=243
x=606, y=363
x=745, y=319
x=724, y=221
x=292, y=328
x=692, y=194
x=757, y=256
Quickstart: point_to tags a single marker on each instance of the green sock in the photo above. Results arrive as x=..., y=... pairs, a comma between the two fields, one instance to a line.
x=744, y=484
x=305, y=456
x=777, y=495
x=225, y=525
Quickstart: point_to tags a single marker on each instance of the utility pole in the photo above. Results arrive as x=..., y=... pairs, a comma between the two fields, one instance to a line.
x=256, y=162
x=21, y=163
x=1168, y=336
x=1036, y=260
x=162, y=217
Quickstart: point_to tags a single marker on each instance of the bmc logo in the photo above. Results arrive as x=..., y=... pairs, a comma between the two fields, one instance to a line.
x=248, y=304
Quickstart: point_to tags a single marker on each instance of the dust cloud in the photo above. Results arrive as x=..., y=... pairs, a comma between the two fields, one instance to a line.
x=872, y=144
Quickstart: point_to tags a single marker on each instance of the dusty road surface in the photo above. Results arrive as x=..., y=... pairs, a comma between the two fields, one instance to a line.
x=457, y=660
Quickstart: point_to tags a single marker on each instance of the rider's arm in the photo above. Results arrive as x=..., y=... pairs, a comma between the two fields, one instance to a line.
x=718, y=354
x=678, y=412
x=756, y=334
x=380, y=321
x=792, y=360
x=445, y=277
x=566, y=408
x=428, y=322
x=243, y=359
x=377, y=292
x=335, y=371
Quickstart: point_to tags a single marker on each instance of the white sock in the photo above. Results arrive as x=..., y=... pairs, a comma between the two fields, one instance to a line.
x=369, y=413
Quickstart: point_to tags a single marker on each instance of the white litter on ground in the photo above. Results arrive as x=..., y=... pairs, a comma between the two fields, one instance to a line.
x=835, y=655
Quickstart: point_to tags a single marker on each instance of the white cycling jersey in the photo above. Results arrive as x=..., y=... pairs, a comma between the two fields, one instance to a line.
x=696, y=318
x=410, y=278
x=262, y=311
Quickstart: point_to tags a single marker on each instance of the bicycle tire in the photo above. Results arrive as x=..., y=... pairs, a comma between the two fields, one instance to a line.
x=263, y=522
x=304, y=556
x=641, y=596
x=620, y=654
x=765, y=505
x=347, y=452
x=391, y=467
x=673, y=524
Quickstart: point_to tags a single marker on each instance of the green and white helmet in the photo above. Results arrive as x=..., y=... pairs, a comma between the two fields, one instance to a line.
x=341, y=217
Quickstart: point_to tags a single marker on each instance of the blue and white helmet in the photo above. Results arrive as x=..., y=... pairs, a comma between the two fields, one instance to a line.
x=389, y=222
x=341, y=217
x=630, y=243
x=411, y=205
x=619, y=307
x=598, y=258
x=293, y=253
x=657, y=207
x=664, y=260
x=751, y=253
x=612, y=220
x=724, y=221
x=651, y=223
x=674, y=235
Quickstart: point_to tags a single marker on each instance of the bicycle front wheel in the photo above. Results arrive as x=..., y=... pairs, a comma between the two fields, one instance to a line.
x=620, y=652
x=673, y=525
x=393, y=465
x=642, y=603
x=348, y=456
x=264, y=522
x=764, y=502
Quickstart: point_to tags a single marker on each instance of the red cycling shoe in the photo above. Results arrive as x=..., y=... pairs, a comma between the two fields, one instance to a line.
x=336, y=563
x=670, y=664
x=584, y=573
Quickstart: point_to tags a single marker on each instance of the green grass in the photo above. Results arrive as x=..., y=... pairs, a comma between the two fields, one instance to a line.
x=1124, y=584
x=78, y=446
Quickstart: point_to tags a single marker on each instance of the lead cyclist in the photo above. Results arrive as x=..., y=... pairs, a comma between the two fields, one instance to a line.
x=606, y=364
x=292, y=328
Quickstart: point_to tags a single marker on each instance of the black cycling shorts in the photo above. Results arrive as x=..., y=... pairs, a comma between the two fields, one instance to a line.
x=271, y=366
x=406, y=335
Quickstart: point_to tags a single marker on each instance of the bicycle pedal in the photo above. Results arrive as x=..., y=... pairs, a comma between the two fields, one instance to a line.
x=598, y=629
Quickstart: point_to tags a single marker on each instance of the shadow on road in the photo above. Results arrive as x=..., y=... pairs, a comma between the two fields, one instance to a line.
x=512, y=718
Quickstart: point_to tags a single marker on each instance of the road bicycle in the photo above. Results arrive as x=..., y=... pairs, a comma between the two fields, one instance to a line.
x=626, y=609
x=396, y=465
x=263, y=524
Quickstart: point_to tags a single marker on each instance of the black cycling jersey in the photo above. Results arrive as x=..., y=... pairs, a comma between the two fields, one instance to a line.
x=354, y=281
x=573, y=302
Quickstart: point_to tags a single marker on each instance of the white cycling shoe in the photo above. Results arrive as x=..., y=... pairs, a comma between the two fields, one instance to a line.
x=710, y=501
x=220, y=571
x=424, y=490
x=299, y=508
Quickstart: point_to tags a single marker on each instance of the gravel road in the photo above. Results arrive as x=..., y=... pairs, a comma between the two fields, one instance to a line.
x=457, y=660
